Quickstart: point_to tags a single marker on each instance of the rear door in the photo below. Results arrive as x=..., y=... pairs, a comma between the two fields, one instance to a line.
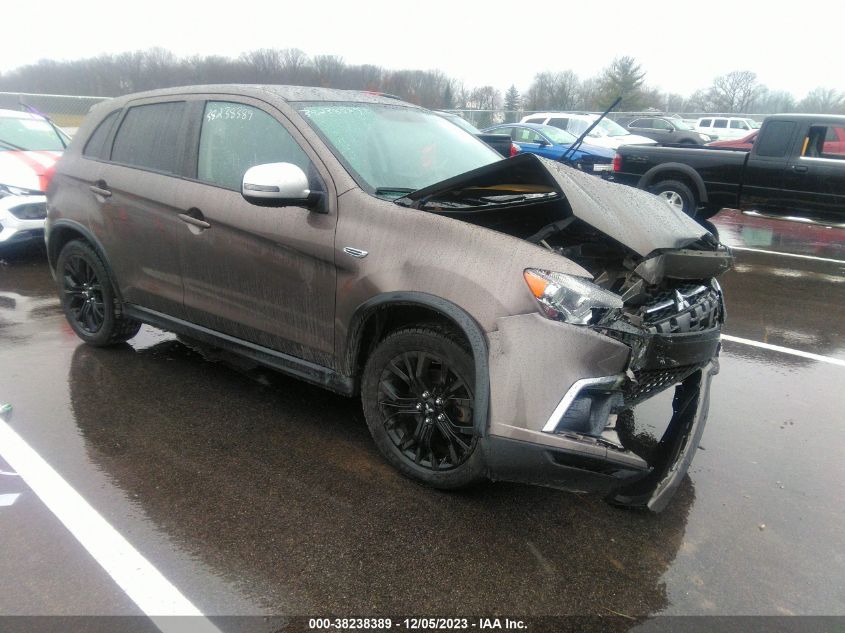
x=261, y=274
x=138, y=191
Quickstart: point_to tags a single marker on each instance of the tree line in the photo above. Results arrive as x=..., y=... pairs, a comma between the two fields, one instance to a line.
x=123, y=73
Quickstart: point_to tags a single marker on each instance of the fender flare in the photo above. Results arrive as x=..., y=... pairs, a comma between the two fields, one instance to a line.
x=467, y=324
x=88, y=235
x=653, y=174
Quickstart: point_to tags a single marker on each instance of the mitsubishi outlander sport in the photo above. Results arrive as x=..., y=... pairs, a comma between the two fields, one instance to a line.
x=499, y=318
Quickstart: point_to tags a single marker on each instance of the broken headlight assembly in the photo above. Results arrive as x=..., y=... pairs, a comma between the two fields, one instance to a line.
x=570, y=299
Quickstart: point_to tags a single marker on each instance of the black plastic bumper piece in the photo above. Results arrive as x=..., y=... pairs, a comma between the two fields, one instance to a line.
x=513, y=460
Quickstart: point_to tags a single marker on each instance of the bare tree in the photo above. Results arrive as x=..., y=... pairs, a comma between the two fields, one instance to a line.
x=329, y=69
x=823, y=101
x=736, y=91
x=553, y=91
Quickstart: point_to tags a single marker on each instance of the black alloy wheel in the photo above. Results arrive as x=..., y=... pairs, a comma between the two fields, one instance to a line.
x=88, y=297
x=427, y=410
x=418, y=395
x=84, y=293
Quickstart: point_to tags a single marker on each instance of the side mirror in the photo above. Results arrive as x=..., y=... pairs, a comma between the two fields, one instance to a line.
x=542, y=142
x=278, y=185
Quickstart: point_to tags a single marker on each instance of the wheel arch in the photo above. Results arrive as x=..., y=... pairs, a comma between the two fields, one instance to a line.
x=63, y=231
x=675, y=171
x=385, y=312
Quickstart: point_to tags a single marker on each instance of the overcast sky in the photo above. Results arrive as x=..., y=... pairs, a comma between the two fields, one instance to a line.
x=791, y=45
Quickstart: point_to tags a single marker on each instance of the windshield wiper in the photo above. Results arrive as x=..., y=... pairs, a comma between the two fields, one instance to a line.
x=574, y=147
x=400, y=191
x=12, y=145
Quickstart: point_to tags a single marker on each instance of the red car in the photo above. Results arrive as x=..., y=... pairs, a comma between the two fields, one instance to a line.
x=746, y=142
x=834, y=142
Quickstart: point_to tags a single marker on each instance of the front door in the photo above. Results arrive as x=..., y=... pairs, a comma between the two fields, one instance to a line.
x=261, y=274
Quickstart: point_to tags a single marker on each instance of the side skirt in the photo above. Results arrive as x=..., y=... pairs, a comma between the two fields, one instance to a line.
x=291, y=365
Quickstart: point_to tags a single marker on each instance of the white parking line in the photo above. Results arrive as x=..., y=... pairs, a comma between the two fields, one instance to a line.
x=784, y=350
x=133, y=573
x=811, y=257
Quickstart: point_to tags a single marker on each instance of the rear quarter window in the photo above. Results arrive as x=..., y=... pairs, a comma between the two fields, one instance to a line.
x=148, y=137
x=96, y=145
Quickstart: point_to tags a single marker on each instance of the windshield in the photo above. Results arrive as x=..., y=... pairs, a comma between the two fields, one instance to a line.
x=612, y=128
x=754, y=125
x=460, y=122
x=28, y=134
x=391, y=150
x=680, y=124
x=556, y=135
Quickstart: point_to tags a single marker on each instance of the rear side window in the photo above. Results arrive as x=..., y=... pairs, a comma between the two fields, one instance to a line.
x=557, y=122
x=96, y=145
x=825, y=141
x=720, y=123
x=774, y=141
x=236, y=137
x=148, y=137
x=524, y=135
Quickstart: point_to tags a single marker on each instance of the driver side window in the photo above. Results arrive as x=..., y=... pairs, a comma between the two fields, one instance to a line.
x=235, y=137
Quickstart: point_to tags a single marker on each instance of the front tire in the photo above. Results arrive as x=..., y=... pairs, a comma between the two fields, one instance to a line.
x=417, y=393
x=88, y=297
x=677, y=195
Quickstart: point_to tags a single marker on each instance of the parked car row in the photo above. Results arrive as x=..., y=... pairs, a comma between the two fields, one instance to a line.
x=606, y=134
x=554, y=143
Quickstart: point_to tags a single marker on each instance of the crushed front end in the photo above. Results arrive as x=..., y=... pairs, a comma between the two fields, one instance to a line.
x=567, y=381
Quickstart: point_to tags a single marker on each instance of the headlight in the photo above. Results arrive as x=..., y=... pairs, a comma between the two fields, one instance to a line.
x=568, y=298
x=704, y=137
x=9, y=190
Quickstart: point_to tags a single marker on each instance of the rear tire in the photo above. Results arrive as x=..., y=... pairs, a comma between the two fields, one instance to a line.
x=417, y=392
x=678, y=195
x=88, y=298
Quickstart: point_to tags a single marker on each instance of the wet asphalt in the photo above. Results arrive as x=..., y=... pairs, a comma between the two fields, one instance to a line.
x=257, y=494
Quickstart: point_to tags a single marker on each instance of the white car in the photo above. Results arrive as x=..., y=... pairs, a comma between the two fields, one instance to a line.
x=30, y=145
x=726, y=128
x=606, y=134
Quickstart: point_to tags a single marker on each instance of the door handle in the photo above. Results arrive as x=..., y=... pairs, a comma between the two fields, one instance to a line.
x=99, y=188
x=188, y=219
x=801, y=169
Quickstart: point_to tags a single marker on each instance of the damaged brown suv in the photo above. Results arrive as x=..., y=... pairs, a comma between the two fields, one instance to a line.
x=499, y=318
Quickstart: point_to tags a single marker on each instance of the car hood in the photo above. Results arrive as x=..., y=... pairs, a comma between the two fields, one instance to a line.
x=639, y=220
x=27, y=169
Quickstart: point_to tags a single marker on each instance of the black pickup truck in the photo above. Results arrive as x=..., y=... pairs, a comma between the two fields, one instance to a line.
x=796, y=167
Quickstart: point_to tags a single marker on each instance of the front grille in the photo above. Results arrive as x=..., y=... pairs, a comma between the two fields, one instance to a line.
x=32, y=211
x=688, y=308
x=649, y=382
